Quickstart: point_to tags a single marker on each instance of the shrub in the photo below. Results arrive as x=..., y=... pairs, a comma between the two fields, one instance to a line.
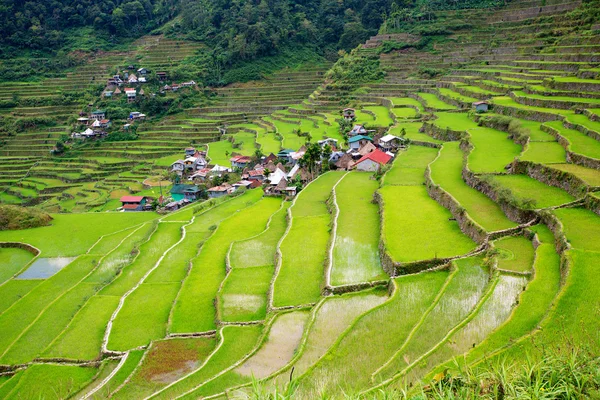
x=15, y=217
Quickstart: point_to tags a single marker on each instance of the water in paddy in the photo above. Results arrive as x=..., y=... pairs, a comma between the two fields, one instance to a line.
x=43, y=268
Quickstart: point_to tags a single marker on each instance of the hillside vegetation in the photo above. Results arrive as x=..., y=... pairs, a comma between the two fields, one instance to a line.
x=465, y=267
x=14, y=217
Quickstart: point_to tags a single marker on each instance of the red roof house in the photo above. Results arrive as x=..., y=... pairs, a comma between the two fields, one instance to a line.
x=372, y=161
x=133, y=203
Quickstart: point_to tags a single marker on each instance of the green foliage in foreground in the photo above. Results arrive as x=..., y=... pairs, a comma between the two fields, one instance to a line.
x=572, y=374
x=15, y=217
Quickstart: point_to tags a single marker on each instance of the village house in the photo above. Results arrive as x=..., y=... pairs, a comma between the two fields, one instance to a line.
x=182, y=191
x=201, y=174
x=335, y=156
x=295, y=156
x=176, y=205
x=117, y=92
x=268, y=159
x=345, y=162
x=244, y=184
x=178, y=167
x=161, y=75
x=137, y=116
x=240, y=161
x=356, y=142
x=87, y=134
x=218, y=170
x=358, y=130
x=277, y=176
x=285, y=155
x=254, y=175
x=131, y=94
x=389, y=142
x=219, y=191
x=333, y=143
x=188, y=84
x=194, y=163
x=83, y=120
x=132, y=79
x=98, y=115
x=174, y=87
x=115, y=80
x=133, y=203
x=481, y=106
x=190, y=151
x=349, y=114
x=107, y=94
x=142, y=71
x=372, y=161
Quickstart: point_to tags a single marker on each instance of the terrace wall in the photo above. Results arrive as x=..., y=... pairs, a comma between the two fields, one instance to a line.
x=552, y=177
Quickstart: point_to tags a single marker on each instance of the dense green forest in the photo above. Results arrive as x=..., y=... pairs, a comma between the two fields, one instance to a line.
x=238, y=33
x=47, y=24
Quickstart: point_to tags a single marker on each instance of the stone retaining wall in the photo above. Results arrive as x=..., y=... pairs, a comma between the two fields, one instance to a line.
x=552, y=177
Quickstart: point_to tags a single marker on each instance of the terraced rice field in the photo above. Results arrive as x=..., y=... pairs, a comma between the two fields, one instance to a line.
x=479, y=243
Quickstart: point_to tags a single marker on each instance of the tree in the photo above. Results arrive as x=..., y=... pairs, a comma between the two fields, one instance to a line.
x=311, y=157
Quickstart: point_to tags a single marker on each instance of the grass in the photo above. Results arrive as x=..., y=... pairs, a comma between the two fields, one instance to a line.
x=51, y=382
x=236, y=342
x=412, y=132
x=409, y=166
x=333, y=317
x=244, y=294
x=446, y=171
x=544, y=153
x=460, y=296
x=454, y=121
x=13, y=290
x=525, y=188
x=506, y=101
x=260, y=251
x=220, y=152
x=378, y=334
x=515, y=253
x=382, y=115
x=22, y=313
x=492, y=152
x=456, y=96
x=533, y=303
x=432, y=101
x=49, y=324
x=581, y=226
x=407, y=238
x=587, y=175
x=77, y=232
x=166, y=235
x=143, y=317
x=301, y=274
x=194, y=311
x=133, y=360
x=12, y=261
x=406, y=101
x=578, y=142
x=584, y=121
x=311, y=200
x=355, y=253
x=82, y=339
x=492, y=313
x=405, y=113
x=165, y=362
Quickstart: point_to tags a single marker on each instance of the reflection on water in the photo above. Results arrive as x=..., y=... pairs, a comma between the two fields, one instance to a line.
x=43, y=268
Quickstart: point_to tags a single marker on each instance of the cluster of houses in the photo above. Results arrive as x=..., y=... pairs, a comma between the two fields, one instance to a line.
x=96, y=125
x=113, y=88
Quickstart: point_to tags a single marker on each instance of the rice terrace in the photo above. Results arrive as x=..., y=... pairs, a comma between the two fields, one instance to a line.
x=317, y=199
